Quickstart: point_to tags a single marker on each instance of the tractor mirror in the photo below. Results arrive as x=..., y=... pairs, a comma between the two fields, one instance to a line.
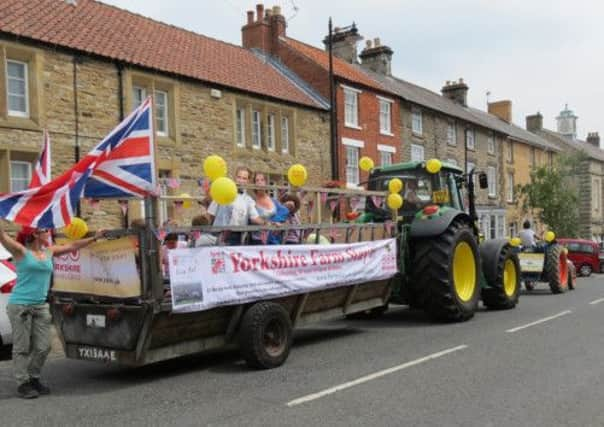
x=482, y=180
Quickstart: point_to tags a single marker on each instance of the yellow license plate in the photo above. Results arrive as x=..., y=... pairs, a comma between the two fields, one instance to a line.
x=440, y=196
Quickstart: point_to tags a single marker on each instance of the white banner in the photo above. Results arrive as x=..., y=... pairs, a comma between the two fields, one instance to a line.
x=211, y=276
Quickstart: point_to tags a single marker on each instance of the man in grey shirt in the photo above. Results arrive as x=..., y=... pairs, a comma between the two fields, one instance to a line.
x=239, y=213
x=527, y=236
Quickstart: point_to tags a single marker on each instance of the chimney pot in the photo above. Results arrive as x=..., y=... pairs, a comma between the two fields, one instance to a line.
x=368, y=43
x=276, y=10
x=460, y=80
x=259, y=12
x=376, y=41
x=250, y=17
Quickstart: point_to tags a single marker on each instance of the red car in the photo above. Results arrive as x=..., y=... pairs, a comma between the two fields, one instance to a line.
x=585, y=254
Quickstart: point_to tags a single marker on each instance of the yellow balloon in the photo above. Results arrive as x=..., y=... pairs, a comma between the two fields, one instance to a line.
x=186, y=200
x=433, y=165
x=76, y=229
x=550, y=236
x=515, y=241
x=395, y=185
x=394, y=201
x=214, y=167
x=366, y=164
x=297, y=175
x=223, y=191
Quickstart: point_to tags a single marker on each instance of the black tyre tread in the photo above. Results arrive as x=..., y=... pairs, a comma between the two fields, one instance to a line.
x=250, y=335
x=552, y=269
x=430, y=278
x=495, y=296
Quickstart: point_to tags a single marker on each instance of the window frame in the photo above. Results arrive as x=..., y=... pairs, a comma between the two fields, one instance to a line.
x=385, y=116
x=166, y=115
x=352, y=167
x=470, y=136
x=491, y=143
x=14, y=113
x=143, y=90
x=271, y=143
x=285, y=149
x=256, y=129
x=492, y=181
x=418, y=147
x=11, y=179
x=451, y=134
x=351, y=110
x=510, y=152
x=417, y=121
x=510, y=188
x=240, y=126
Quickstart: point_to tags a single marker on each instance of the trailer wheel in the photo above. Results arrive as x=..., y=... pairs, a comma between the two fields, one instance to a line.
x=556, y=269
x=446, y=273
x=504, y=284
x=265, y=335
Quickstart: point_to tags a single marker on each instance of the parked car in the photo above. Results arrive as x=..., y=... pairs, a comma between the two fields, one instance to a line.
x=7, y=282
x=585, y=254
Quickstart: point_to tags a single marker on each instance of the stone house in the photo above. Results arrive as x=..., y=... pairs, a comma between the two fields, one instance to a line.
x=367, y=115
x=589, y=183
x=76, y=68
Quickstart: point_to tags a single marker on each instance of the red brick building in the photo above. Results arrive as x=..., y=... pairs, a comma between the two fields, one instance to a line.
x=368, y=121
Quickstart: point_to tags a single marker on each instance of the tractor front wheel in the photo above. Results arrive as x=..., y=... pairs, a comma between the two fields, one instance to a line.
x=446, y=273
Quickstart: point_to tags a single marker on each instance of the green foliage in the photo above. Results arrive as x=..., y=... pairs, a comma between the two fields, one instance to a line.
x=552, y=194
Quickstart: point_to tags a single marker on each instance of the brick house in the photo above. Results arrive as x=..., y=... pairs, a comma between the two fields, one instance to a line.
x=76, y=68
x=367, y=115
x=589, y=183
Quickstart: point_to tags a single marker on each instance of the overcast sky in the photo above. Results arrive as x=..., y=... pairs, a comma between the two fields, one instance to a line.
x=540, y=54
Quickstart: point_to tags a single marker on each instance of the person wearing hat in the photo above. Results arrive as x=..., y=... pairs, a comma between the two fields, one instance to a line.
x=27, y=309
x=292, y=203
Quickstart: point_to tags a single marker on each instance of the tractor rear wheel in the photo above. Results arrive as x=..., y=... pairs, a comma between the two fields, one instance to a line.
x=504, y=284
x=556, y=269
x=446, y=273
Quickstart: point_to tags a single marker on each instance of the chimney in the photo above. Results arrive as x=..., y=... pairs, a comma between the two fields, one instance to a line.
x=377, y=58
x=344, y=43
x=456, y=91
x=593, y=138
x=263, y=33
x=534, y=122
x=501, y=109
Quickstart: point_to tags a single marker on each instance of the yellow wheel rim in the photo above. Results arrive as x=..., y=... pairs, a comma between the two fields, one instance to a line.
x=509, y=278
x=464, y=271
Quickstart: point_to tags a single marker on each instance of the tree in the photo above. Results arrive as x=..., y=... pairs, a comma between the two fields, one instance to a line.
x=552, y=194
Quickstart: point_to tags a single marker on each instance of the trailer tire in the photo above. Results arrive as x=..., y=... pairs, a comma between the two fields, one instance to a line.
x=503, y=280
x=556, y=269
x=265, y=335
x=445, y=277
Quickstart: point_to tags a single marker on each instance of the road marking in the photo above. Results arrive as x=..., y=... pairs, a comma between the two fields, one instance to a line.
x=545, y=319
x=373, y=376
x=597, y=301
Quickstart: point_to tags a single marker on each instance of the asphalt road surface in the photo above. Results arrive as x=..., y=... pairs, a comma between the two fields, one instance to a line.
x=541, y=364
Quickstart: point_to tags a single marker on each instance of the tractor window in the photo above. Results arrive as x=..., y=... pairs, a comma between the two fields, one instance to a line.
x=454, y=192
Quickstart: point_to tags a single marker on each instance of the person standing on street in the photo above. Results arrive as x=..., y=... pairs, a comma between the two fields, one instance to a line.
x=27, y=308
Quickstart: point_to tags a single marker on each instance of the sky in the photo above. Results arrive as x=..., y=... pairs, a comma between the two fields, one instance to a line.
x=540, y=54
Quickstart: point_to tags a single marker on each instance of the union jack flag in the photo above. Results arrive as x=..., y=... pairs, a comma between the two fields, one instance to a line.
x=121, y=164
x=41, y=173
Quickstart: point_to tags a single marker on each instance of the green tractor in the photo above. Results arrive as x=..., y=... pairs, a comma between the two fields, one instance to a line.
x=444, y=268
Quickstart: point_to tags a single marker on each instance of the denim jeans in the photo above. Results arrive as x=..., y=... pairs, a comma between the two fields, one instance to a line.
x=31, y=339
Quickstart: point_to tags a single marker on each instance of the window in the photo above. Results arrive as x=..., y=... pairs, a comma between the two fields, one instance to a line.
x=138, y=96
x=256, y=129
x=492, y=180
x=510, y=154
x=500, y=226
x=510, y=197
x=352, y=165
x=416, y=121
x=385, y=117
x=161, y=112
x=285, y=134
x=241, y=127
x=470, y=143
x=385, y=158
x=417, y=153
x=451, y=134
x=491, y=143
x=17, y=88
x=351, y=108
x=270, y=136
x=20, y=175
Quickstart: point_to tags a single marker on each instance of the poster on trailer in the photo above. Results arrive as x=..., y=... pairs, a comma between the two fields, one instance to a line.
x=211, y=276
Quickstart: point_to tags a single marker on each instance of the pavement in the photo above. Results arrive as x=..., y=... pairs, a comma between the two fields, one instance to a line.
x=537, y=365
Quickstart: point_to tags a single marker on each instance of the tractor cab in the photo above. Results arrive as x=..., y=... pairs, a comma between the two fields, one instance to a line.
x=420, y=189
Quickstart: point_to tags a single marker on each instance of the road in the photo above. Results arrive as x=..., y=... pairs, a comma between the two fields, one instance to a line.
x=538, y=365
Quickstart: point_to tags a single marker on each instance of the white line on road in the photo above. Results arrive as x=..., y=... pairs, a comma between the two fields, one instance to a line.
x=597, y=301
x=373, y=376
x=545, y=319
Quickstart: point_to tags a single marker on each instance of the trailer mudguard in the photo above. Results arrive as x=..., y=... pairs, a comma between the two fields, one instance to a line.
x=435, y=224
